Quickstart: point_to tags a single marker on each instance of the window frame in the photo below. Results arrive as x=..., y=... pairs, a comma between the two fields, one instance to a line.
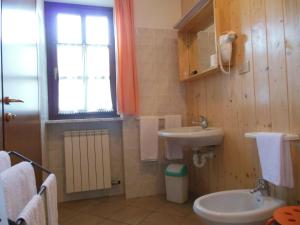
x=51, y=10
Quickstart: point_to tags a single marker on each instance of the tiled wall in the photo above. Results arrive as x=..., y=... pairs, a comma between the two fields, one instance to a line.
x=160, y=94
x=55, y=149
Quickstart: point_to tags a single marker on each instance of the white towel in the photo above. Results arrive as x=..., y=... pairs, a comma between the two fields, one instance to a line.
x=275, y=159
x=34, y=212
x=149, y=138
x=173, y=151
x=19, y=187
x=4, y=161
x=51, y=199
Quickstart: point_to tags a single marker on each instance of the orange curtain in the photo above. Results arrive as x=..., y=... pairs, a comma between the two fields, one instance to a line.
x=127, y=83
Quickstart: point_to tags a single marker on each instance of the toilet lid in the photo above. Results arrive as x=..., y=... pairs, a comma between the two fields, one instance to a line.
x=289, y=215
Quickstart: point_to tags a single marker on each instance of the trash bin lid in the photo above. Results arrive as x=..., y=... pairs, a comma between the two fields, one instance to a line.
x=176, y=170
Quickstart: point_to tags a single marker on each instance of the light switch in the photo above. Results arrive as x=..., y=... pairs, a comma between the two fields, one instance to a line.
x=244, y=67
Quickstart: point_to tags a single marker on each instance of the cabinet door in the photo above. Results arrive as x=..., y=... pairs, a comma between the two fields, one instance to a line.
x=20, y=78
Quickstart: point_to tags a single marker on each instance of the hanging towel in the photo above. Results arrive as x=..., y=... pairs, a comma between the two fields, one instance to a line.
x=34, y=212
x=149, y=138
x=173, y=151
x=4, y=161
x=19, y=187
x=51, y=199
x=275, y=159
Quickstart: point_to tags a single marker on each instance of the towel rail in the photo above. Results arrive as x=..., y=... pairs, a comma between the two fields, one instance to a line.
x=42, y=188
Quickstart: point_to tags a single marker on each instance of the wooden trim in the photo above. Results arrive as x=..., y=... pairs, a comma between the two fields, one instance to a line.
x=198, y=18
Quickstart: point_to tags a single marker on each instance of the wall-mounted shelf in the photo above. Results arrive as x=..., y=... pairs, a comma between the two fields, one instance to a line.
x=201, y=74
x=287, y=137
x=198, y=18
x=197, y=41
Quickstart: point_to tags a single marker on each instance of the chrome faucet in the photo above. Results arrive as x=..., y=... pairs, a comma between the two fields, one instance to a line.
x=262, y=187
x=202, y=122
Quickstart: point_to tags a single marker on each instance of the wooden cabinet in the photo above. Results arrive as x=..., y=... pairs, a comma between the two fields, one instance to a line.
x=197, y=40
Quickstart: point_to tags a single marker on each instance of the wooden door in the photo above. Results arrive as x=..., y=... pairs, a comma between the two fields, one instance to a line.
x=20, y=78
x=1, y=104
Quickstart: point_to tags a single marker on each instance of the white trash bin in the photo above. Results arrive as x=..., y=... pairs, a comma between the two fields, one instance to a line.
x=176, y=183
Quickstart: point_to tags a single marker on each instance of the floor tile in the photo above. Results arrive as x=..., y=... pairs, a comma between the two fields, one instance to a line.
x=78, y=205
x=153, y=210
x=83, y=219
x=150, y=203
x=192, y=219
x=130, y=215
x=162, y=219
x=110, y=222
x=65, y=214
x=115, y=199
x=104, y=210
x=175, y=209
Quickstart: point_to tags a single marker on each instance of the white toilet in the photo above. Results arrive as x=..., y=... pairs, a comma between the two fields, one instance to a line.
x=235, y=207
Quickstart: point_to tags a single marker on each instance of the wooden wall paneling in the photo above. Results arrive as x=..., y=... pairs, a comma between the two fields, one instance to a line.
x=292, y=41
x=266, y=98
x=228, y=153
x=261, y=74
x=277, y=71
x=237, y=100
x=244, y=55
x=214, y=113
x=200, y=104
x=277, y=66
x=260, y=65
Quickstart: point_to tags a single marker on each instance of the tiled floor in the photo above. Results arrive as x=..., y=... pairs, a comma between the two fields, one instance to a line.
x=119, y=211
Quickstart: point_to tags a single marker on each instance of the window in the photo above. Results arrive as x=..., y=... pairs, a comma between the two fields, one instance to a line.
x=81, y=61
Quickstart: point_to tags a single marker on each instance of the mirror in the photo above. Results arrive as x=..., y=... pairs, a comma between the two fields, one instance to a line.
x=202, y=51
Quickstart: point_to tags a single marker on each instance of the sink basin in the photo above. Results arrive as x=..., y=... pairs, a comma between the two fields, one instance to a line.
x=193, y=136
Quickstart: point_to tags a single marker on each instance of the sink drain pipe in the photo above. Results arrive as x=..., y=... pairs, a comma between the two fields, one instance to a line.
x=200, y=159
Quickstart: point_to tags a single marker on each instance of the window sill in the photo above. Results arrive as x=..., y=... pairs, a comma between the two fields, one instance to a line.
x=112, y=119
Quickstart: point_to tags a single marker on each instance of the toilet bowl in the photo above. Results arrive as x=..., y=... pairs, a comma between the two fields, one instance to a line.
x=235, y=207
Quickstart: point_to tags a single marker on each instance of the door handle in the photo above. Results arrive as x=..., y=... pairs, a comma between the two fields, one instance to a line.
x=7, y=100
x=9, y=116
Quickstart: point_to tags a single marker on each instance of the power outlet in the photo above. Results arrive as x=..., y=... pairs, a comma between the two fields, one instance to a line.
x=244, y=67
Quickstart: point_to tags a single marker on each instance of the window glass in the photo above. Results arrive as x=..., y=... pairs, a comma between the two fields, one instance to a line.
x=99, y=95
x=69, y=29
x=97, y=61
x=70, y=61
x=71, y=99
x=97, y=31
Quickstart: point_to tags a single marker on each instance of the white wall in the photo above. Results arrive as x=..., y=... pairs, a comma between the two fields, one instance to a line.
x=157, y=13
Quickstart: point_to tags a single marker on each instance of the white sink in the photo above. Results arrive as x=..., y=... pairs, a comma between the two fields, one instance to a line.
x=193, y=136
x=236, y=207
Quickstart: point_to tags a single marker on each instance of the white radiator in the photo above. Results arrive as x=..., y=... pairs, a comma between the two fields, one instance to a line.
x=87, y=160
